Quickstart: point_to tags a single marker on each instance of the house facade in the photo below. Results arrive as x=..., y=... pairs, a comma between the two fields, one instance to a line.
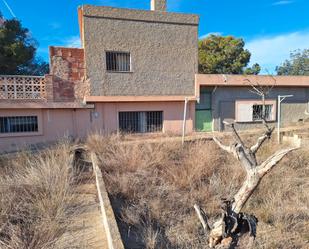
x=137, y=71
x=133, y=73
x=233, y=98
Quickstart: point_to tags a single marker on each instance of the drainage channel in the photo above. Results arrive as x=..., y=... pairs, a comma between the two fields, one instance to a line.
x=101, y=230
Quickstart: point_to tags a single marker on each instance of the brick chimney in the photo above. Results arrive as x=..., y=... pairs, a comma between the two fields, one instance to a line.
x=158, y=5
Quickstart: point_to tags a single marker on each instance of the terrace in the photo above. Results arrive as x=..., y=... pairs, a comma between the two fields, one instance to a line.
x=15, y=87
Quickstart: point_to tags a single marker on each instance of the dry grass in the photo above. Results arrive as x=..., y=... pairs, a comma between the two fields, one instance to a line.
x=153, y=188
x=37, y=199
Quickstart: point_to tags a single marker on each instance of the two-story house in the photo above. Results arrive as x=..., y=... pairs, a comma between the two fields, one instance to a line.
x=137, y=71
x=134, y=73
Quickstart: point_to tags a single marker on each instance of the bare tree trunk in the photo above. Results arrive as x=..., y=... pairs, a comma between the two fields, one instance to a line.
x=233, y=224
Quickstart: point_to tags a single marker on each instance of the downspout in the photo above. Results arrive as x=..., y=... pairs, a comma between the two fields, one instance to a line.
x=184, y=120
x=307, y=110
x=213, y=91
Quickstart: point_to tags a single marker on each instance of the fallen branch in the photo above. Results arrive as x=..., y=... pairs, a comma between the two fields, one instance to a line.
x=202, y=217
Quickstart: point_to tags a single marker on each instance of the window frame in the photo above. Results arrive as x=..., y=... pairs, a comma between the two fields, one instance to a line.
x=147, y=125
x=119, y=52
x=25, y=113
x=249, y=104
x=257, y=119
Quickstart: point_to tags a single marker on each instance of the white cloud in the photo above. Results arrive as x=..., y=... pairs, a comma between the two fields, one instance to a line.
x=72, y=42
x=285, y=2
x=271, y=51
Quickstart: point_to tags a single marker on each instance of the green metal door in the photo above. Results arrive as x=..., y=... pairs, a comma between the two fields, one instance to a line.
x=203, y=112
x=203, y=120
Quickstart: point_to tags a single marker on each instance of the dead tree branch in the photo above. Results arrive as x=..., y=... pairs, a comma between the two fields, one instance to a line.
x=262, y=139
x=222, y=146
x=233, y=224
x=270, y=162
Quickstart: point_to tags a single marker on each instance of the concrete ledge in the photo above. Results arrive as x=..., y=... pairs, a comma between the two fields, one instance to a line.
x=110, y=225
x=20, y=104
x=162, y=98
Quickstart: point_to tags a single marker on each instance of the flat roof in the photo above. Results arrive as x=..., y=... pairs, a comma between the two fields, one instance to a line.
x=111, y=99
x=28, y=104
x=247, y=80
x=137, y=15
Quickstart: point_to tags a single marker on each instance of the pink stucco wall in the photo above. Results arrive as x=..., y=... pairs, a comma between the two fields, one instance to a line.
x=55, y=124
x=172, y=114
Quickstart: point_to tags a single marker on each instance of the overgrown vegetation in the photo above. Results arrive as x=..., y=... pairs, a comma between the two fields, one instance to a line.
x=153, y=188
x=37, y=199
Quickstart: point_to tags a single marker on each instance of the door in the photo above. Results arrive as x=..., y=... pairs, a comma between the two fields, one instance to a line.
x=203, y=112
x=203, y=120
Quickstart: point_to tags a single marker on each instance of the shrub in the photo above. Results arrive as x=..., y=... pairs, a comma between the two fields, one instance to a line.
x=153, y=188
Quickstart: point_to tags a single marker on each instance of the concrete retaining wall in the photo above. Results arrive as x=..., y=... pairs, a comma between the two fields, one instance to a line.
x=108, y=217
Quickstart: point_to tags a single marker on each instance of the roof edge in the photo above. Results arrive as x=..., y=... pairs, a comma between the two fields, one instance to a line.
x=139, y=15
x=247, y=80
x=162, y=98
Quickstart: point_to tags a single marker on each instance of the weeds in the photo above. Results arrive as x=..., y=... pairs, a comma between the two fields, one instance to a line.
x=153, y=188
x=37, y=199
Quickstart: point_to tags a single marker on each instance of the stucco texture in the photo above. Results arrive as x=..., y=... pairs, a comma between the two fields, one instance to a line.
x=163, y=49
x=55, y=124
x=172, y=114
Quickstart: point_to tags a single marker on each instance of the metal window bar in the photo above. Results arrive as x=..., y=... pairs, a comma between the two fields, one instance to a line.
x=154, y=121
x=141, y=122
x=258, y=112
x=19, y=124
x=118, y=61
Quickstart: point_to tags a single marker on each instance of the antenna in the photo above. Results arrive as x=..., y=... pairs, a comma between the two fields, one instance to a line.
x=9, y=8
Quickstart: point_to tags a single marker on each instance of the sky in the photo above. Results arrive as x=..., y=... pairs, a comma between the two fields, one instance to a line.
x=271, y=28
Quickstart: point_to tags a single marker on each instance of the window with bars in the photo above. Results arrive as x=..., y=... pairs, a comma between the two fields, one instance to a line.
x=118, y=61
x=257, y=112
x=18, y=124
x=141, y=122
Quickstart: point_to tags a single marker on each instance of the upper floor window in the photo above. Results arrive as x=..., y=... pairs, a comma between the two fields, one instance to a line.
x=18, y=124
x=118, y=61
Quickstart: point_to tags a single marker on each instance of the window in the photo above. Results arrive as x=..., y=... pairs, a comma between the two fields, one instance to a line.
x=18, y=124
x=141, y=122
x=118, y=61
x=257, y=112
x=252, y=110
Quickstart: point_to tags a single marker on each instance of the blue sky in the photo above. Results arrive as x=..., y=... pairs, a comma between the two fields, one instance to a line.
x=271, y=28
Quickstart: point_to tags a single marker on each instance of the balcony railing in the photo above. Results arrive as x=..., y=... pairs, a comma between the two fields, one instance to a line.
x=22, y=87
